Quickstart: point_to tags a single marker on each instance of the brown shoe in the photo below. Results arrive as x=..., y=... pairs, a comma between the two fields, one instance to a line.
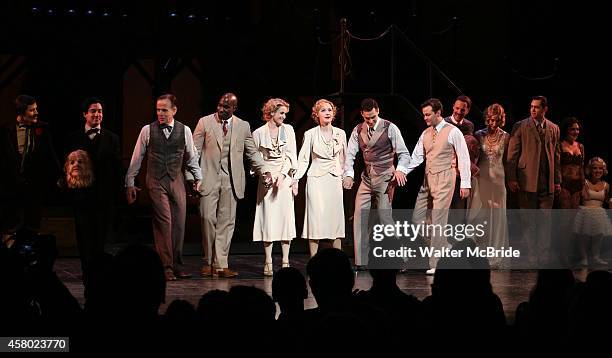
x=182, y=274
x=206, y=271
x=170, y=276
x=227, y=273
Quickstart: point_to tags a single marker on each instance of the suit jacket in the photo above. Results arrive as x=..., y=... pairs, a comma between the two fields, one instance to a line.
x=208, y=140
x=105, y=153
x=324, y=160
x=39, y=169
x=523, y=161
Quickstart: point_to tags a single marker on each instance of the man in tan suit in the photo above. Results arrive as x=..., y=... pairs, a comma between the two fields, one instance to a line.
x=443, y=147
x=221, y=140
x=534, y=172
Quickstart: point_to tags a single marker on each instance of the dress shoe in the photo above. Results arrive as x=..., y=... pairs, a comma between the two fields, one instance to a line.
x=182, y=274
x=207, y=271
x=268, y=269
x=170, y=276
x=431, y=271
x=226, y=273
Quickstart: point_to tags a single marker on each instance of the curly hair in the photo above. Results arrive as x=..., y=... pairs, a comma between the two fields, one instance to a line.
x=317, y=107
x=594, y=160
x=498, y=111
x=84, y=177
x=271, y=106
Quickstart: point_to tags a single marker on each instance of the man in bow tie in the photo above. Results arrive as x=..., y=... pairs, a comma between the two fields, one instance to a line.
x=29, y=168
x=104, y=149
x=168, y=144
x=380, y=141
x=221, y=140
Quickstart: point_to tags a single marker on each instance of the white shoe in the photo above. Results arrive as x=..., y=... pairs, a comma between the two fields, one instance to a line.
x=431, y=271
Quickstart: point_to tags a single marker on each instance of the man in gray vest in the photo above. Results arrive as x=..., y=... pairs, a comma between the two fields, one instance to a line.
x=444, y=149
x=221, y=140
x=167, y=144
x=379, y=141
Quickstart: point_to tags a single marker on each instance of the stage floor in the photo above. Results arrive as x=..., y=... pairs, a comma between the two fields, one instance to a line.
x=512, y=287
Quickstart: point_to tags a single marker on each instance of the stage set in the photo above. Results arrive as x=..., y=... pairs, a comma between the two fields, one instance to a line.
x=195, y=135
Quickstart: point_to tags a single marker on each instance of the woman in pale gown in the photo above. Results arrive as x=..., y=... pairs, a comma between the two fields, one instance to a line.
x=274, y=215
x=326, y=146
x=491, y=193
x=592, y=223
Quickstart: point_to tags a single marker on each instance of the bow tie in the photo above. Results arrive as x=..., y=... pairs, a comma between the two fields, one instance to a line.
x=165, y=126
x=92, y=131
x=22, y=125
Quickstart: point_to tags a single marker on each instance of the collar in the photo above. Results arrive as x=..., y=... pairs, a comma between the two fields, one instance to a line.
x=376, y=124
x=88, y=128
x=229, y=120
x=439, y=126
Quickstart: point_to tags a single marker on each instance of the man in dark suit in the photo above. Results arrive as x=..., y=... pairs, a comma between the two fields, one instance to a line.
x=29, y=168
x=103, y=147
x=534, y=172
x=461, y=108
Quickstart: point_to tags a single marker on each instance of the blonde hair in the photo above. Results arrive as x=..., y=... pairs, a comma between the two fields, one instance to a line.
x=86, y=177
x=589, y=166
x=496, y=110
x=271, y=106
x=317, y=107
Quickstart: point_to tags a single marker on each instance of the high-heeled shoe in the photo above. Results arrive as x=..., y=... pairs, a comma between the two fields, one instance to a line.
x=285, y=264
x=268, y=269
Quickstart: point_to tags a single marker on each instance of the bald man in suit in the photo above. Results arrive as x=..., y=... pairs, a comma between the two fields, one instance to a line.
x=222, y=139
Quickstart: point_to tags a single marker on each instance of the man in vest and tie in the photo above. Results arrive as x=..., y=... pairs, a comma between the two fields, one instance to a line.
x=380, y=141
x=167, y=143
x=443, y=148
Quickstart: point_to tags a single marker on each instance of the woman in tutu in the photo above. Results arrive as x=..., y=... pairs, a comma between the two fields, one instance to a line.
x=592, y=221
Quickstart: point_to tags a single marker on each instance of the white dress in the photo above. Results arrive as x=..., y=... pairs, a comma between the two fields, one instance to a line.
x=274, y=214
x=592, y=219
x=324, y=214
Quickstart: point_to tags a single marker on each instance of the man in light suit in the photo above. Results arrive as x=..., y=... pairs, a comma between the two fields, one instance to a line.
x=534, y=172
x=221, y=140
x=445, y=151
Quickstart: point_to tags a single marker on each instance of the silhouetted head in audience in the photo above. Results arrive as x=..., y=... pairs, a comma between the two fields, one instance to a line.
x=289, y=290
x=331, y=277
x=214, y=308
x=137, y=282
x=251, y=307
x=384, y=278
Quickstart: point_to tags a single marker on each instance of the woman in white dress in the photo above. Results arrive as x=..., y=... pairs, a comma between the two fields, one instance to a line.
x=274, y=215
x=491, y=190
x=326, y=146
x=592, y=222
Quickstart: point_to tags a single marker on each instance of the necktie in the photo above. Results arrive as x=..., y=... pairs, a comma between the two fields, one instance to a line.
x=93, y=131
x=224, y=128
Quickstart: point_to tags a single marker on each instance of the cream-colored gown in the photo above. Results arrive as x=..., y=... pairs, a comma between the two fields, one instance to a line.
x=324, y=214
x=274, y=213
